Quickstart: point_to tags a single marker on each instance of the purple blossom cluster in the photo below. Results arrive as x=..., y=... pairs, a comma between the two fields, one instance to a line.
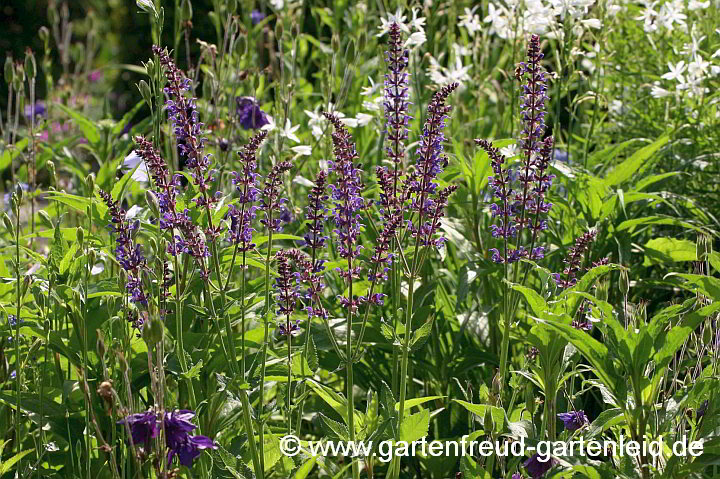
x=271, y=200
x=573, y=262
x=128, y=254
x=520, y=197
x=396, y=104
x=573, y=420
x=346, y=194
x=427, y=200
x=177, y=426
x=247, y=185
x=287, y=291
x=188, y=131
x=249, y=114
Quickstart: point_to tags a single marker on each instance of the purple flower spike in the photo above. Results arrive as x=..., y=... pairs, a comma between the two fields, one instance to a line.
x=128, y=254
x=573, y=420
x=573, y=262
x=249, y=114
x=271, y=200
x=537, y=467
x=427, y=202
x=143, y=427
x=286, y=290
x=346, y=195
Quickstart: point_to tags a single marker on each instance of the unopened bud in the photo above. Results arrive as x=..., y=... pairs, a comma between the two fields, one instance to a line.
x=279, y=30
x=152, y=202
x=144, y=89
x=80, y=235
x=46, y=220
x=90, y=182
x=362, y=41
x=295, y=30
x=9, y=72
x=100, y=344
x=350, y=52
x=51, y=170
x=150, y=68
x=8, y=224
x=624, y=282
x=187, y=11
x=335, y=42
x=44, y=34
x=19, y=192
x=30, y=65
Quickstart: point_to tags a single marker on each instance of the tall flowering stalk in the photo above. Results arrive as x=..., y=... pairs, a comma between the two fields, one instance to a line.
x=287, y=293
x=392, y=192
x=520, y=207
x=427, y=205
x=240, y=230
x=270, y=202
x=347, y=205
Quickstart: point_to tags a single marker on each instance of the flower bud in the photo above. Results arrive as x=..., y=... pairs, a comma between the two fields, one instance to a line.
x=19, y=192
x=90, y=182
x=186, y=11
x=19, y=76
x=362, y=41
x=92, y=256
x=152, y=202
x=30, y=65
x=51, y=170
x=9, y=72
x=15, y=204
x=9, y=225
x=624, y=282
x=144, y=89
x=153, y=331
x=150, y=68
x=46, y=220
x=44, y=34
x=80, y=235
x=294, y=30
x=335, y=42
x=350, y=52
x=27, y=281
x=279, y=30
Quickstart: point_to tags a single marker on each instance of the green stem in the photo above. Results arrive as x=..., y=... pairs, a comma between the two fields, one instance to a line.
x=266, y=337
x=18, y=369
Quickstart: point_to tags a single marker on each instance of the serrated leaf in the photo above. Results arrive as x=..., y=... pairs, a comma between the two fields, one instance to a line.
x=415, y=426
x=420, y=335
x=312, y=358
x=334, y=428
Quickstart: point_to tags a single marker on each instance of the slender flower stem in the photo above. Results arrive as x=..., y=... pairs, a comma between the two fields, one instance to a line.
x=18, y=368
x=266, y=338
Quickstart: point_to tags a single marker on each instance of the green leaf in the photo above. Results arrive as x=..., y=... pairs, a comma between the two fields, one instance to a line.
x=8, y=464
x=410, y=403
x=497, y=413
x=68, y=258
x=334, y=429
x=312, y=358
x=637, y=162
x=669, y=250
x=11, y=153
x=86, y=125
x=536, y=302
x=194, y=371
x=421, y=334
x=415, y=426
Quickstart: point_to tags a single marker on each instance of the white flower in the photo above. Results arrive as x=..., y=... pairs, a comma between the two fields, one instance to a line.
x=698, y=68
x=675, y=72
x=370, y=90
x=316, y=123
x=363, y=119
x=657, y=92
x=471, y=21
x=301, y=180
x=398, y=18
x=271, y=125
x=695, y=5
x=443, y=76
x=132, y=161
x=277, y=4
x=418, y=23
x=376, y=104
x=460, y=50
x=289, y=131
x=349, y=121
x=301, y=150
x=592, y=23
x=415, y=40
x=97, y=269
